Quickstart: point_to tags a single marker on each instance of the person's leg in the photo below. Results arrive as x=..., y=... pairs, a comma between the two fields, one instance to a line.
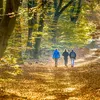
x=56, y=62
x=66, y=61
x=72, y=62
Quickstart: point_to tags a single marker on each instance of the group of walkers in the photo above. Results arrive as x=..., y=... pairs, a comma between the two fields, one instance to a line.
x=65, y=54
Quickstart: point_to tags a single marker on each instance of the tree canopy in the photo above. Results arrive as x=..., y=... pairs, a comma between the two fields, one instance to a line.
x=49, y=22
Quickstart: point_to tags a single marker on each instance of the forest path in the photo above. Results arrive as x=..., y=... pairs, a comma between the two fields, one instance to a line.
x=39, y=82
x=78, y=62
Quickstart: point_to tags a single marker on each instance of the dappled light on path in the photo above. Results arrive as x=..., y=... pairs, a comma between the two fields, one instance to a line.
x=39, y=82
x=69, y=89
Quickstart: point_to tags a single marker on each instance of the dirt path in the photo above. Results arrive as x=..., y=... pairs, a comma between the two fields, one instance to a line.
x=39, y=82
x=78, y=62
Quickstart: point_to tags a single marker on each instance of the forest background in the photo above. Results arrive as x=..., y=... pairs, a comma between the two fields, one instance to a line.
x=31, y=29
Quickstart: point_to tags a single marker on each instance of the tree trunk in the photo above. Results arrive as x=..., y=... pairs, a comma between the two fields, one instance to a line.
x=37, y=46
x=58, y=11
x=1, y=9
x=40, y=29
x=31, y=22
x=38, y=37
x=75, y=13
x=7, y=24
x=54, y=29
x=18, y=37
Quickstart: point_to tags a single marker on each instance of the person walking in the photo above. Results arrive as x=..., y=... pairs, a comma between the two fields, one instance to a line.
x=65, y=54
x=56, y=56
x=72, y=57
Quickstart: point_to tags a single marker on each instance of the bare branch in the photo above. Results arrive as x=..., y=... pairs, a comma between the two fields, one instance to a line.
x=67, y=5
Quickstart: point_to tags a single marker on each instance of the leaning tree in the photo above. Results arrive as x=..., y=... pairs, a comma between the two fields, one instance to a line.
x=7, y=22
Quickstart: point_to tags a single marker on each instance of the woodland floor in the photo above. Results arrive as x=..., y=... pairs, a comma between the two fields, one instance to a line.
x=46, y=82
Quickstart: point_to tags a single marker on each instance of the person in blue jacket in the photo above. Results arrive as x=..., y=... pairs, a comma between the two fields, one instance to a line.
x=56, y=56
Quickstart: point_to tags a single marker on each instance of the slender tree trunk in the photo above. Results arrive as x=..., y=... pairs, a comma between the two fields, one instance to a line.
x=1, y=9
x=18, y=37
x=54, y=29
x=40, y=29
x=31, y=24
x=7, y=24
x=37, y=46
x=38, y=37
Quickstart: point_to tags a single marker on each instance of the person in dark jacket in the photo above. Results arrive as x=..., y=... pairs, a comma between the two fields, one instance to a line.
x=65, y=54
x=56, y=56
x=72, y=57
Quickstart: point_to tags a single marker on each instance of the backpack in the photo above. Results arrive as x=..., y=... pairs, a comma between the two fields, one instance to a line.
x=72, y=55
x=65, y=54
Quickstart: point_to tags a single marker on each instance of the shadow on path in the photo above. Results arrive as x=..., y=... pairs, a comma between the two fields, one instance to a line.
x=39, y=82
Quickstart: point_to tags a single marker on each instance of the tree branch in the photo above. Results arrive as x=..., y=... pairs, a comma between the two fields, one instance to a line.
x=75, y=17
x=60, y=4
x=78, y=9
x=58, y=8
x=68, y=4
x=55, y=4
x=79, y=6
